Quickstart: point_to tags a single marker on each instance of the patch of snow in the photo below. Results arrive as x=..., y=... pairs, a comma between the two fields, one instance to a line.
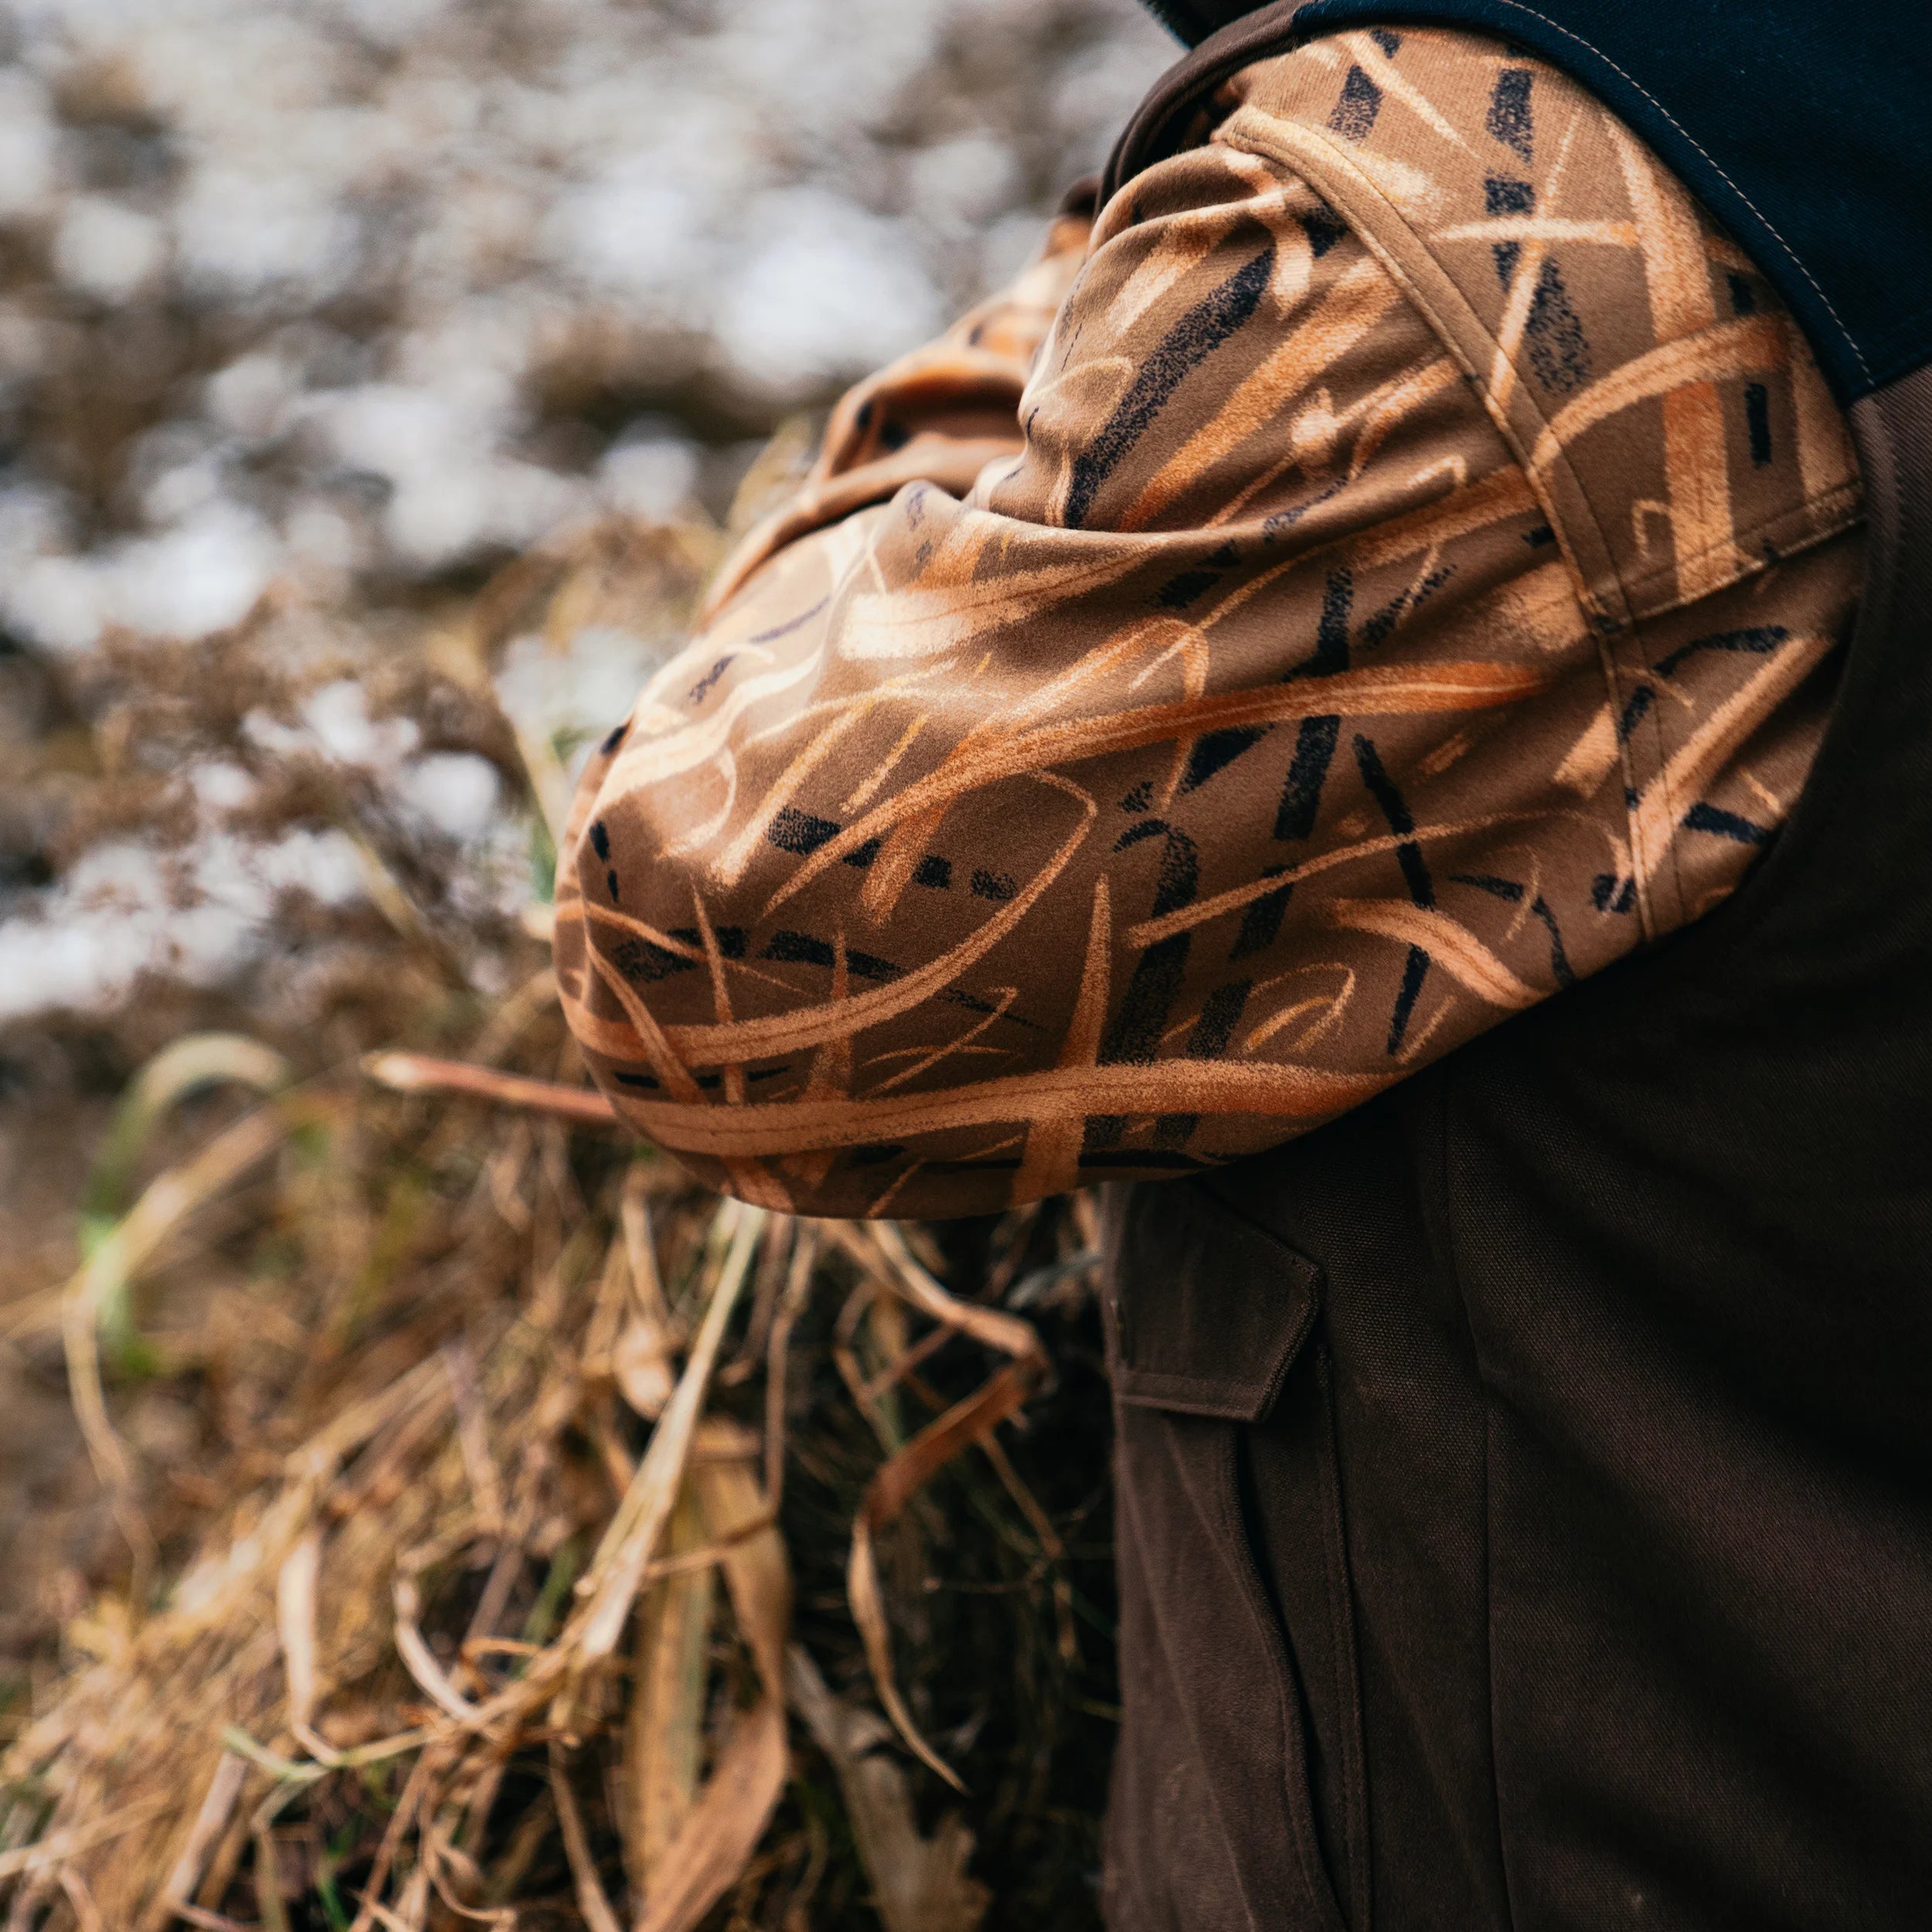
x=251, y=397
x=242, y=234
x=581, y=690
x=965, y=181
x=220, y=786
x=652, y=476
x=125, y=909
x=825, y=289
x=56, y=601
x=337, y=719
x=201, y=576
x=28, y=149
x=457, y=792
x=107, y=249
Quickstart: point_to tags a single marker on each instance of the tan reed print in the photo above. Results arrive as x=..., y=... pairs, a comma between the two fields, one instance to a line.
x=1385, y=570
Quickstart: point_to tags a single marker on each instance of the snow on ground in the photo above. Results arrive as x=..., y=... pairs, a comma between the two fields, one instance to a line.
x=341, y=302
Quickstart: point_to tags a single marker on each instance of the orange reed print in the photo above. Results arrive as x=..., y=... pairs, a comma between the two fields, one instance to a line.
x=1384, y=568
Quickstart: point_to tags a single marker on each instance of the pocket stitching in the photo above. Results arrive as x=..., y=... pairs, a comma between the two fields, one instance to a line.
x=1227, y=1397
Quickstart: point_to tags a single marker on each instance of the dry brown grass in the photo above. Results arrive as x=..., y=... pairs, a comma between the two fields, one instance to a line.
x=553, y=1535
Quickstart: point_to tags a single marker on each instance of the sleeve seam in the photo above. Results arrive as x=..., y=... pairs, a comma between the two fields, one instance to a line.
x=1604, y=630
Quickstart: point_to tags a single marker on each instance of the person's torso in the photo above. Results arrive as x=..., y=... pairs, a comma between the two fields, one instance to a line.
x=1526, y=1494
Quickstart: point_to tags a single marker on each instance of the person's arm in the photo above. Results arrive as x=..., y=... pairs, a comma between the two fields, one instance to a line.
x=1233, y=746
x=938, y=416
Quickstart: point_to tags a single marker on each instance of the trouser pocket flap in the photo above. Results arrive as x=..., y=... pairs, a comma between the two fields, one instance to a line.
x=1206, y=1310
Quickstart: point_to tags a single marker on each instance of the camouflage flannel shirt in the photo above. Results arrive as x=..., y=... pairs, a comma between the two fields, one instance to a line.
x=1384, y=568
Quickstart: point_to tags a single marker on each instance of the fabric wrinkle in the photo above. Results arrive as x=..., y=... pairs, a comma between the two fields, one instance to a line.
x=1199, y=630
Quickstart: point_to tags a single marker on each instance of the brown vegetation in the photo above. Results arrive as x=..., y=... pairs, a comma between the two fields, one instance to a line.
x=480, y=1524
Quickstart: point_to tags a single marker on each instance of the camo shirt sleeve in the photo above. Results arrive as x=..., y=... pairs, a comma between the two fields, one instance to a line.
x=1389, y=570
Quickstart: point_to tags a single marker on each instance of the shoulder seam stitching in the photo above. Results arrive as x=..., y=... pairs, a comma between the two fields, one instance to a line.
x=1323, y=149
x=1790, y=254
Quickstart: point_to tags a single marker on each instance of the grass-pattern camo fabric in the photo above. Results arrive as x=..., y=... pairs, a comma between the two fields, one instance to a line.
x=1401, y=576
